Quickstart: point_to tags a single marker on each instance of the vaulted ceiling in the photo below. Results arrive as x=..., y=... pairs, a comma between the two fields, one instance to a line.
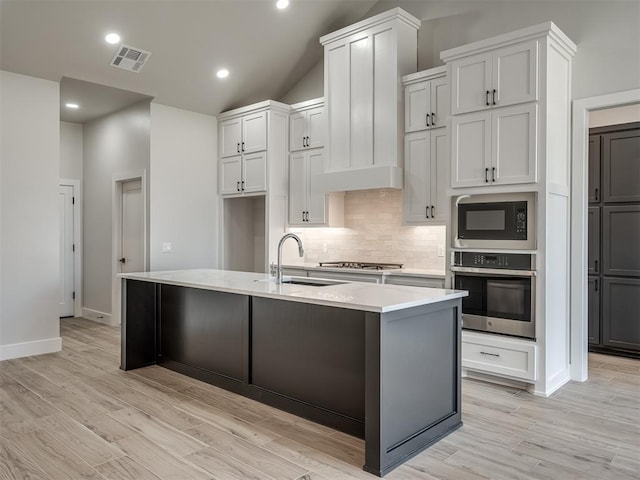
x=267, y=50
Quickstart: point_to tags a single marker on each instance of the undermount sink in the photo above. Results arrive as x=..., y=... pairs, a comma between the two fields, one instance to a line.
x=312, y=282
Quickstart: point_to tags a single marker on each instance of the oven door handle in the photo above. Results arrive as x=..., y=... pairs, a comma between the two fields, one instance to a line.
x=495, y=271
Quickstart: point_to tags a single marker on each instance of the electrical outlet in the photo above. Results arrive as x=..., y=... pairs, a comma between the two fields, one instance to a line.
x=166, y=247
x=441, y=251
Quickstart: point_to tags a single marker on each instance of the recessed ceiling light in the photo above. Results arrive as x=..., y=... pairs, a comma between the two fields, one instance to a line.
x=222, y=73
x=72, y=105
x=282, y=4
x=112, y=38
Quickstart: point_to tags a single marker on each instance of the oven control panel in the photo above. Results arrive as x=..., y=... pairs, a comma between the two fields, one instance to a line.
x=511, y=261
x=521, y=222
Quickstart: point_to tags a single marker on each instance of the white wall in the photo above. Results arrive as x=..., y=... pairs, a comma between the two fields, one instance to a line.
x=183, y=188
x=29, y=230
x=311, y=85
x=71, y=150
x=114, y=144
x=606, y=32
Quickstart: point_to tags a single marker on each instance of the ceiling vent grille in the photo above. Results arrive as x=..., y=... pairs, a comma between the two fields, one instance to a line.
x=130, y=58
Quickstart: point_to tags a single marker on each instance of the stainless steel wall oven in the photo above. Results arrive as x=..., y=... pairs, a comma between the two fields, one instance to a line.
x=501, y=292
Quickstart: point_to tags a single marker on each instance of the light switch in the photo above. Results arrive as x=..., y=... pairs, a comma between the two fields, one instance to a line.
x=166, y=247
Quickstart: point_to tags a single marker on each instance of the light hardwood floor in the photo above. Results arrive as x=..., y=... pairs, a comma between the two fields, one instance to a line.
x=74, y=414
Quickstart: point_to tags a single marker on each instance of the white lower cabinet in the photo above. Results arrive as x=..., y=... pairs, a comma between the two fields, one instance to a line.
x=504, y=356
x=425, y=177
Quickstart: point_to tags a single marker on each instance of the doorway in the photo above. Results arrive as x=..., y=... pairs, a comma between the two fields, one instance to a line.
x=579, y=189
x=70, y=280
x=129, y=228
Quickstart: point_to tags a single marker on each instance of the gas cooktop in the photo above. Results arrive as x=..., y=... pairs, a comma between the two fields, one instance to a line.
x=362, y=265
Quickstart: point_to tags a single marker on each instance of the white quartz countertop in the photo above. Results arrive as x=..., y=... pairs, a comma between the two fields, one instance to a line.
x=413, y=272
x=368, y=297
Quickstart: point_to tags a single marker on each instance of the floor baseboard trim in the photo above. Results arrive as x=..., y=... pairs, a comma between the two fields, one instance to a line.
x=28, y=349
x=97, y=316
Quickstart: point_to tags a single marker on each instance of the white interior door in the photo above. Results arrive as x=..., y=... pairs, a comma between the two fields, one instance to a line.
x=132, y=240
x=65, y=201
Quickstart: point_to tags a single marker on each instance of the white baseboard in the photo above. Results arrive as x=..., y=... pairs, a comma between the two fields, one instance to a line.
x=544, y=389
x=27, y=349
x=97, y=316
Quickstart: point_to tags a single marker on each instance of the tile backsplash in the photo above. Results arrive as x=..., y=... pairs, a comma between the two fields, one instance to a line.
x=373, y=232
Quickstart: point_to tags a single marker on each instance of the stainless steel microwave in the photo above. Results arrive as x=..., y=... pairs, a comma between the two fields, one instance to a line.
x=495, y=221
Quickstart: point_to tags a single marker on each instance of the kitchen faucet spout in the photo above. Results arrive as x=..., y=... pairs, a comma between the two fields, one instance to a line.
x=300, y=251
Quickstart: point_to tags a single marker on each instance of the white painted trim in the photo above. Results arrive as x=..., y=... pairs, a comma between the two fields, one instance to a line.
x=552, y=384
x=579, y=173
x=116, y=227
x=97, y=316
x=27, y=349
x=77, y=241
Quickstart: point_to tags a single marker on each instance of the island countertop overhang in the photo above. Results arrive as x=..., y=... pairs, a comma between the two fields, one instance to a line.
x=379, y=298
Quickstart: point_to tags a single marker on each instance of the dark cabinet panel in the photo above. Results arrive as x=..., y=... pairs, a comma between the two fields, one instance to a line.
x=621, y=313
x=621, y=166
x=310, y=353
x=594, y=288
x=138, y=337
x=594, y=168
x=204, y=329
x=593, y=239
x=621, y=240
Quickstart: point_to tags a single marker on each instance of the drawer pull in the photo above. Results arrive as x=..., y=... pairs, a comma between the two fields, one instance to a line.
x=490, y=354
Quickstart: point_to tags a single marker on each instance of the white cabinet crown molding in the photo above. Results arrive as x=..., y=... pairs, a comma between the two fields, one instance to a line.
x=367, y=23
x=519, y=36
x=255, y=107
x=424, y=75
x=307, y=104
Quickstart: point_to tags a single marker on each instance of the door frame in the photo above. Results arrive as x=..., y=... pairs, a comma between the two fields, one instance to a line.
x=116, y=233
x=579, y=190
x=77, y=241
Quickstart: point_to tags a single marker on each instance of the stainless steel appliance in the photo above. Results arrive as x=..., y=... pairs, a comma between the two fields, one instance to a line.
x=361, y=265
x=501, y=289
x=498, y=221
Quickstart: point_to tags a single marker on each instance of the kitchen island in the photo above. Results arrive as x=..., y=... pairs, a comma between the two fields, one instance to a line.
x=381, y=362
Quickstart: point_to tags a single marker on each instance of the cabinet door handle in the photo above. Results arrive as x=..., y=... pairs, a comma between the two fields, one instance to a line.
x=433, y=119
x=428, y=120
x=486, y=175
x=237, y=147
x=493, y=174
x=597, y=195
x=595, y=265
x=237, y=186
x=494, y=96
x=432, y=214
x=426, y=211
x=490, y=354
x=308, y=141
x=596, y=286
x=242, y=185
x=486, y=97
x=243, y=146
x=303, y=141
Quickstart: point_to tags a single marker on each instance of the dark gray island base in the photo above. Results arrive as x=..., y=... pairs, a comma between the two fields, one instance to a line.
x=391, y=378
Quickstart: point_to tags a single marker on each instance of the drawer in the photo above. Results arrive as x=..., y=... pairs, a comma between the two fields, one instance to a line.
x=498, y=356
x=414, y=281
x=346, y=277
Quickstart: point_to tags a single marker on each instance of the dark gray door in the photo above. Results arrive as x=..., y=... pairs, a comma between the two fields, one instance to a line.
x=593, y=239
x=594, y=289
x=621, y=240
x=594, y=168
x=621, y=313
x=621, y=166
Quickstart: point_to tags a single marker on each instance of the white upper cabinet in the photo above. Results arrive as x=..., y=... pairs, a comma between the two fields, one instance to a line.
x=306, y=125
x=506, y=94
x=499, y=78
x=363, y=66
x=246, y=134
x=426, y=171
x=426, y=100
x=245, y=149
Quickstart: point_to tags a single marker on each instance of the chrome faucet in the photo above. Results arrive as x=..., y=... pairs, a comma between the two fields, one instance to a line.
x=300, y=251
